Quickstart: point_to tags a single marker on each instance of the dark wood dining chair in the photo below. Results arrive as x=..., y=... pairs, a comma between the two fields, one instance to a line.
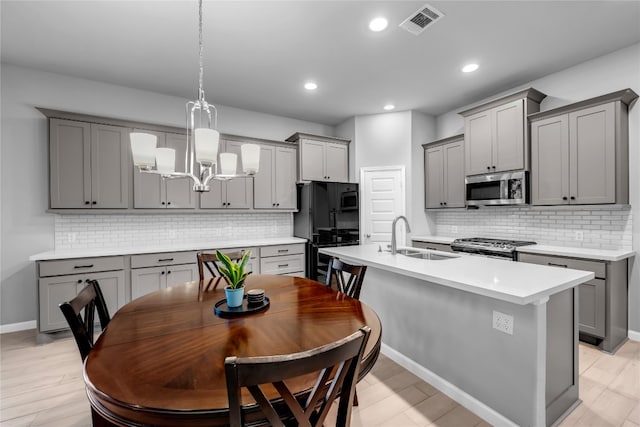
x=345, y=277
x=89, y=300
x=342, y=358
x=209, y=261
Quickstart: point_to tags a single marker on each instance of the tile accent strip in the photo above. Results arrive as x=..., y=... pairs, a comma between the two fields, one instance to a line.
x=113, y=231
x=607, y=227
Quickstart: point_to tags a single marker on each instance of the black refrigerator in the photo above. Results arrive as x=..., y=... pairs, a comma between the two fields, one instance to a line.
x=328, y=216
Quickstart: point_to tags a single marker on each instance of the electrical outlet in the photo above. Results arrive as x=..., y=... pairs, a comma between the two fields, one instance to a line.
x=503, y=322
x=454, y=229
x=579, y=236
x=71, y=237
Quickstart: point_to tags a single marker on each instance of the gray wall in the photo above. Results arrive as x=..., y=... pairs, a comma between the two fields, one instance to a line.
x=25, y=227
x=608, y=73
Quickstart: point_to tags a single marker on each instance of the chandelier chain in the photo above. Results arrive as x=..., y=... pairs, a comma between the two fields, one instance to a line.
x=200, y=89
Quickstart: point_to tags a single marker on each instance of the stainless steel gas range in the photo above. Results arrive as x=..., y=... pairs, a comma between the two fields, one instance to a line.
x=495, y=248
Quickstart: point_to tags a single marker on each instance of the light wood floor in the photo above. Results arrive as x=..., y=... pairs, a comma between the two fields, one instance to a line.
x=41, y=385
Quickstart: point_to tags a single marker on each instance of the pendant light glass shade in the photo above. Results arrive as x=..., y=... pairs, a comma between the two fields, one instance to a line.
x=166, y=160
x=206, y=142
x=250, y=158
x=228, y=163
x=143, y=148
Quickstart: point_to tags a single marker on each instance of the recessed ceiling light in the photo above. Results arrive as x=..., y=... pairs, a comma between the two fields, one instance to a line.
x=389, y=107
x=310, y=86
x=469, y=68
x=378, y=24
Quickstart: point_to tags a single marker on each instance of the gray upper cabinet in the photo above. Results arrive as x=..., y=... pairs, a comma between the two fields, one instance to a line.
x=444, y=173
x=151, y=191
x=322, y=158
x=88, y=165
x=236, y=193
x=275, y=183
x=496, y=138
x=580, y=152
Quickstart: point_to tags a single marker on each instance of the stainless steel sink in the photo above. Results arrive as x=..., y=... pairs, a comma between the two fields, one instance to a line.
x=432, y=256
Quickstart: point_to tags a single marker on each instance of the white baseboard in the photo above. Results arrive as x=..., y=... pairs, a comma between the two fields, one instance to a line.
x=15, y=327
x=634, y=335
x=460, y=396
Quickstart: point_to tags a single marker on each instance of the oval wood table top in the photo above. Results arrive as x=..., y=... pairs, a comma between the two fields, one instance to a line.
x=161, y=359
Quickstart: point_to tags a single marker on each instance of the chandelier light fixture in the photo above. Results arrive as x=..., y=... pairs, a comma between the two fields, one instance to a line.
x=202, y=145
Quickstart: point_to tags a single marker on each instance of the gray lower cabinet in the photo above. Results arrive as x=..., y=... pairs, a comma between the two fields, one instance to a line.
x=579, y=152
x=602, y=307
x=444, y=173
x=283, y=260
x=60, y=281
x=432, y=246
x=275, y=183
x=151, y=191
x=152, y=272
x=236, y=193
x=88, y=165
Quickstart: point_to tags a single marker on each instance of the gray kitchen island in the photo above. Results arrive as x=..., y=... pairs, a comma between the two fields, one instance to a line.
x=499, y=337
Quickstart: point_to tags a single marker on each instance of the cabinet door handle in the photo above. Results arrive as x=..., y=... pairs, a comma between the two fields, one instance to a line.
x=79, y=280
x=557, y=265
x=94, y=203
x=488, y=168
x=493, y=167
x=564, y=198
x=169, y=272
x=83, y=266
x=444, y=203
x=572, y=198
x=163, y=203
x=277, y=204
x=168, y=203
x=162, y=272
x=165, y=259
x=87, y=202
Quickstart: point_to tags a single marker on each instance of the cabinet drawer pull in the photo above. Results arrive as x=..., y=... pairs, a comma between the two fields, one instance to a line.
x=283, y=265
x=283, y=250
x=165, y=259
x=557, y=265
x=83, y=266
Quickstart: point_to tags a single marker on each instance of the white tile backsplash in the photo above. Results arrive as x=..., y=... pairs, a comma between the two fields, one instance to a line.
x=112, y=231
x=602, y=227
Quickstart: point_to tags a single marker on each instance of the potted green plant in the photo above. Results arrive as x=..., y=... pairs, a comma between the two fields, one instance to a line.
x=235, y=274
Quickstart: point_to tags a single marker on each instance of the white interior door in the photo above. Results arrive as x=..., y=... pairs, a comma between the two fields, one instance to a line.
x=382, y=195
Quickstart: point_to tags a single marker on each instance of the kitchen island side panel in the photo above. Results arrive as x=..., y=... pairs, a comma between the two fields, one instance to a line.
x=450, y=333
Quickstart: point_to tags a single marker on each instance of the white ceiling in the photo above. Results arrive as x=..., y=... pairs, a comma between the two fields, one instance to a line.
x=258, y=54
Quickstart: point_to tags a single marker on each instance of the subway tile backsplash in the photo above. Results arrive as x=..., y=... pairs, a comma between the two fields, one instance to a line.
x=584, y=227
x=113, y=231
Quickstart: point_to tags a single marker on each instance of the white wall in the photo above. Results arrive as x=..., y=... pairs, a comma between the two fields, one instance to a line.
x=347, y=130
x=423, y=130
x=609, y=73
x=26, y=229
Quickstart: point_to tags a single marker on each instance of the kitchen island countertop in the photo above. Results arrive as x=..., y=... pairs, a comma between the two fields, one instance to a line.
x=514, y=282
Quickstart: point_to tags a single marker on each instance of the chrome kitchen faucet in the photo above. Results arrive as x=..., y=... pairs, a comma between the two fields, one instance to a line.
x=393, y=232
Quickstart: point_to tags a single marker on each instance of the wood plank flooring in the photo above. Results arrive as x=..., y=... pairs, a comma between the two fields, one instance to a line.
x=41, y=385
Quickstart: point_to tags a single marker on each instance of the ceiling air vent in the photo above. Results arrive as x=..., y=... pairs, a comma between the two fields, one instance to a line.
x=425, y=16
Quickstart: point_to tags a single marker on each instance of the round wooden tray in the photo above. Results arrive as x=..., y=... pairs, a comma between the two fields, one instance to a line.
x=221, y=308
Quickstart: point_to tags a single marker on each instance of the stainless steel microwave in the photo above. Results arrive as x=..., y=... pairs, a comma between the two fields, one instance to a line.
x=497, y=189
x=349, y=200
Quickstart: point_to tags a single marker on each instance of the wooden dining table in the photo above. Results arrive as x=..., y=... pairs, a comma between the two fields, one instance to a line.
x=160, y=361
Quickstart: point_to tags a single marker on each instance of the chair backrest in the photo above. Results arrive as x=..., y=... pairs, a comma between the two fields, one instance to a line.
x=210, y=262
x=88, y=300
x=342, y=358
x=346, y=277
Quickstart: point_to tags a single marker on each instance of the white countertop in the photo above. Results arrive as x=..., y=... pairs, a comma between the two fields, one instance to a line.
x=515, y=282
x=186, y=246
x=596, y=254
